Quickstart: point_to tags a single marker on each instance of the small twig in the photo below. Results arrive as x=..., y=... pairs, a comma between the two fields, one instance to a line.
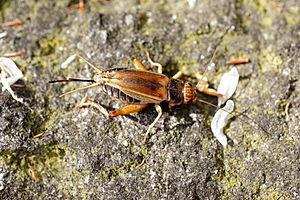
x=33, y=174
x=101, y=1
x=81, y=5
x=286, y=111
x=141, y=164
x=17, y=85
x=13, y=54
x=13, y=23
x=238, y=61
x=37, y=135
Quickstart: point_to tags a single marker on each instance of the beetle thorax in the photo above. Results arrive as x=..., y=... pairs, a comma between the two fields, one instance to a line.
x=175, y=92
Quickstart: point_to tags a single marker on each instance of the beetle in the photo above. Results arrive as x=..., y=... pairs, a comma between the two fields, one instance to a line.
x=138, y=87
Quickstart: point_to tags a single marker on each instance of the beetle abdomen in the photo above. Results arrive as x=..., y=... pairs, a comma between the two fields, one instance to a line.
x=118, y=94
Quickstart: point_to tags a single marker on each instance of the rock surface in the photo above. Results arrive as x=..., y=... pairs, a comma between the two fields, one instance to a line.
x=83, y=155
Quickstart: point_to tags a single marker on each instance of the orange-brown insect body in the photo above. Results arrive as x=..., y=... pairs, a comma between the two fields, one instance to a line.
x=140, y=87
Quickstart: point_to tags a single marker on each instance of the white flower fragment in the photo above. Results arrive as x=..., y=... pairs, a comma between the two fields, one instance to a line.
x=10, y=73
x=8, y=65
x=68, y=61
x=228, y=85
x=3, y=34
x=219, y=121
x=191, y=3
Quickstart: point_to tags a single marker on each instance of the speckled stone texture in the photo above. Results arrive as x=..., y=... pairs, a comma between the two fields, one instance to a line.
x=83, y=155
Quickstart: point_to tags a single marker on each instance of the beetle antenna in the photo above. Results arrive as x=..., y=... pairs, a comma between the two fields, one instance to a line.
x=215, y=52
x=82, y=88
x=99, y=71
x=72, y=80
x=210, y=104
x=235, y=114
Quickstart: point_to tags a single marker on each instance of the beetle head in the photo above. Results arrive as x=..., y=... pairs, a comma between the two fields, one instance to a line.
x=189, y=92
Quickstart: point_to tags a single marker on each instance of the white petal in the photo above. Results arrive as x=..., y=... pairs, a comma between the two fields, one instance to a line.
x=7, y=87
x=7, y=65
x=191, y=3
x=9, y=69
x=3, y=34
x=228, y=84
x=219, y=121
x=68, y=61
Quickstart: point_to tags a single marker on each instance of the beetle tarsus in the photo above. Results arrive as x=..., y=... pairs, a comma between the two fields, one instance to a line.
x=85, y=102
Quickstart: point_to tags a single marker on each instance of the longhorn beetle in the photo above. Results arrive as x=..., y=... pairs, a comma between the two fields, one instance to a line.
x=138, y=87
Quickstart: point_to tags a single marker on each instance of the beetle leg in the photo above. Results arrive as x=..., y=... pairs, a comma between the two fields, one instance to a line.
x=159, y=111
x=158, y=65
x=139, y=65
x=86, y=102
x=127, y=109
x=202, y=86
x=177, y=75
